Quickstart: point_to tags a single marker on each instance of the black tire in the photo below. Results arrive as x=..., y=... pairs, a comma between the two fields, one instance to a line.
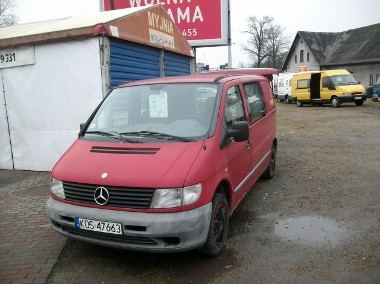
x=299, y=104
x=359, y=103
x=335, y=102
x=219, y=223
x=287, y=100
x=271, y=169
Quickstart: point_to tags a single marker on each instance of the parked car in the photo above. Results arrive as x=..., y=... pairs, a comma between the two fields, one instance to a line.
x=376, y=91
x=285, y=88
x=161, y=164
x=327, y=87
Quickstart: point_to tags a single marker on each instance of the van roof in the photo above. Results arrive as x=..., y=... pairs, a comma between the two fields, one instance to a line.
x=204, y=78
x=328, y=72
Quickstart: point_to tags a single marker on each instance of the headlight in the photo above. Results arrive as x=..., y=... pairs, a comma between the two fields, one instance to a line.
x=57, y=188
x=191, y=193
x=346, y=94
x=176, y=197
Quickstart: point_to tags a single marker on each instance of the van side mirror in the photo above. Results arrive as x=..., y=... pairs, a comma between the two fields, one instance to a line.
x=239, y=131
x=81, y=126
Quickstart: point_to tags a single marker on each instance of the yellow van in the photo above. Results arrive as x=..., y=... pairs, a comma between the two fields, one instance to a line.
x=327, y=87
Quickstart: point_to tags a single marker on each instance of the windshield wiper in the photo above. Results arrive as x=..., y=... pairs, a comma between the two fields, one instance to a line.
x=159, y=135
x=112, y=134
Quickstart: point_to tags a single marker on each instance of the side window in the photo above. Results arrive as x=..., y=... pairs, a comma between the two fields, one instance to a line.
x=326, y=81
x=303, y=84
x=256, y=105
x=234, y=110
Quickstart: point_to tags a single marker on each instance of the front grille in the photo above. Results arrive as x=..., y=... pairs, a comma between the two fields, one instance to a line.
x=110, y=237
x=138, y=198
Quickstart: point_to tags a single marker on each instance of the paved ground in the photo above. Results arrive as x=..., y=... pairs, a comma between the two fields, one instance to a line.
x=29, y=247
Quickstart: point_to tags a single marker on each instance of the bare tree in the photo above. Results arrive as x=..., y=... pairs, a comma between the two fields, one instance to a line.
x=266, y=44
x=277, y=46
x=7, y=16
x=257, y=42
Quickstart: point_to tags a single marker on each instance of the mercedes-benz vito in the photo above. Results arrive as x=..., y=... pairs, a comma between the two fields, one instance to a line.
x=161, y=164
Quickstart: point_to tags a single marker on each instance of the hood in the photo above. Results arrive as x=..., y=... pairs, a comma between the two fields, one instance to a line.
x=127, y=164
x=351, y=88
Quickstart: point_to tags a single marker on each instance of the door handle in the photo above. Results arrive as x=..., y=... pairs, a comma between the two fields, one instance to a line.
x=249, y=143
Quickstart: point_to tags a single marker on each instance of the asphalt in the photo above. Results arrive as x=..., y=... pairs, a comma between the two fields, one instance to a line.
x=29, y=247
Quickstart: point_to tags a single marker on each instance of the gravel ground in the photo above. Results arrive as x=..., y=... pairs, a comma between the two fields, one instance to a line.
x=316, y=221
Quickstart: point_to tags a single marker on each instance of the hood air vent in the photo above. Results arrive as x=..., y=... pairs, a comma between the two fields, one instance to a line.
x=121, y=150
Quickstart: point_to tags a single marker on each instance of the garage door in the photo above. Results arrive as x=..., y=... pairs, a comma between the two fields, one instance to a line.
x=131, y=62
x=176, y=64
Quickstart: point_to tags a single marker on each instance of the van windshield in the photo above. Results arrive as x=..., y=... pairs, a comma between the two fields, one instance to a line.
x=343, y=80
x=169, y=112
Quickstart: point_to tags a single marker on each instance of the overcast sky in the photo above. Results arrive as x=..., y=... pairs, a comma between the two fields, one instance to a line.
x=293, y=15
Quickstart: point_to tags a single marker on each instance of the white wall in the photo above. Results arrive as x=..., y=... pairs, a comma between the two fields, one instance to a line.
x=47, y=101
x=311, y=65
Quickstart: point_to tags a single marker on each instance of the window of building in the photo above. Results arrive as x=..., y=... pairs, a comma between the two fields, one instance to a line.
x=371, y=80
x=295, y=58
x=234, y=110
x=308, y=57
x=256, y=106
x=301, y=56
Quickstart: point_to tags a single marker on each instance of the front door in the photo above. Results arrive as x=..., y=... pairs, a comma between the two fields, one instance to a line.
x=239, y=153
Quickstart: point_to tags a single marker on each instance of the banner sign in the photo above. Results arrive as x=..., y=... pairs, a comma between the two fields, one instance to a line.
x=203, y=23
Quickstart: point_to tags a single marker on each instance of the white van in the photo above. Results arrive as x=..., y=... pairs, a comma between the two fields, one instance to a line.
x=285, y=87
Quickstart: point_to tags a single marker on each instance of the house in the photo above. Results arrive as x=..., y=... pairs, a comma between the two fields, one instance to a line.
x=356, y=50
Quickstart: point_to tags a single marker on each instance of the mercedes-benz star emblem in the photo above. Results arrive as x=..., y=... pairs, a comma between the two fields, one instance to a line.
x=101, y=196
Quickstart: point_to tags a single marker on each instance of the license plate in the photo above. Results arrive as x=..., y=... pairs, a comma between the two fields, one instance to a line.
x=98, y=226
x=358, y=98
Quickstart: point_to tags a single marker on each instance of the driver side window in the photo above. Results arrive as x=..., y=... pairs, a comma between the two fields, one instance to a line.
x=234, y=109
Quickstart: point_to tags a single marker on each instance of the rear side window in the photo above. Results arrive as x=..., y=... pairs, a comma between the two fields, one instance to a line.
x=303, y=84
x=234, y=110
x=256, y=105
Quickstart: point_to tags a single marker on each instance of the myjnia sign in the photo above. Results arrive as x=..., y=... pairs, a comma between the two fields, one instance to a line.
x=203, y=23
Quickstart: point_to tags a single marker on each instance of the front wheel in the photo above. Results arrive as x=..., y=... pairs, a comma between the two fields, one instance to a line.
x=299, y=104
x=335, y=101
x=217, y=233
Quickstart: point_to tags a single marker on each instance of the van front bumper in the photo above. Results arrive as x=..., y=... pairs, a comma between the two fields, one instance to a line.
x=353, y=98
x=149, y=232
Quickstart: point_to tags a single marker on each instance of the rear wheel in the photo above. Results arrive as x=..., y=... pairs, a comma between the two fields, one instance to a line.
x=335, y=101
x=359, y=103
x=270, y=171
x=217, y=233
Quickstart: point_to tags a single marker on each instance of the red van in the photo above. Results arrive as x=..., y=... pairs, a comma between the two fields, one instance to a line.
x=161, y=164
